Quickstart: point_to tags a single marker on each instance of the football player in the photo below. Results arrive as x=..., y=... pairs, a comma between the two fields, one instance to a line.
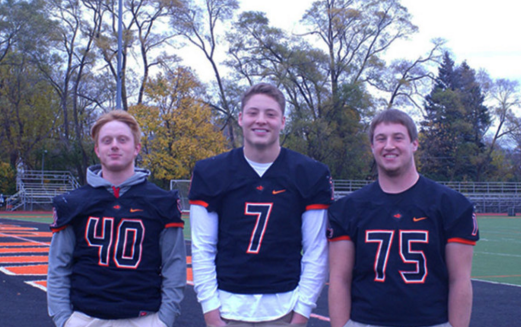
x=117, y=255
x=258, y=217
x=400, y=248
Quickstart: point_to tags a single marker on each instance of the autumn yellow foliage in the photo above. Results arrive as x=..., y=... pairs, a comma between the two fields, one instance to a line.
x=177, y=128
x=7, y=179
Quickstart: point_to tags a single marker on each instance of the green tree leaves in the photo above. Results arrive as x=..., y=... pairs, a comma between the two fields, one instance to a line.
x=454, y=126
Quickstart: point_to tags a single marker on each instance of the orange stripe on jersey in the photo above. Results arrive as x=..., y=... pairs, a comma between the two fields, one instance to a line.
x=340, y=238
x=317, y=206
x=170, y=225
x=199, y=203
x=461, y=240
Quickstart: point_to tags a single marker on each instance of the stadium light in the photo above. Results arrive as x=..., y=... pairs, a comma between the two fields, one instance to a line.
x=43, y=162
x=120, y=42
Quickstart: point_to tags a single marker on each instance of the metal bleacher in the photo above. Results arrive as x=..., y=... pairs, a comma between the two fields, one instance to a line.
x=494, y=197
x=37, y=188
x=490, y=197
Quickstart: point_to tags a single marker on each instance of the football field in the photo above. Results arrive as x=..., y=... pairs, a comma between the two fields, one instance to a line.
x=25, y=239
x=497, y=255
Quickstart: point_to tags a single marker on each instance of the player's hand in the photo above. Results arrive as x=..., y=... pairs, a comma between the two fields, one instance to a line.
x=213, y=318
x=298, y=319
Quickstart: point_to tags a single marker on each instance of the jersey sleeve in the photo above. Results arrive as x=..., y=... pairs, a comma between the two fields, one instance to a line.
x=461, y=225
x=208, y=182
x=338, y=223
x=198, y=193
x=169, y=209
x=65, y=208
x=315, y=183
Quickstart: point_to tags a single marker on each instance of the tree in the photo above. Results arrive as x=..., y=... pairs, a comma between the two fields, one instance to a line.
x=7, y=179
x=145, y=44
x=317, y=125
x=199, y=25
x=327, y=90
x=356, y=34
x=477, y=115
x=177, y=126
x=407, y=80
x=505, y=97
x=28, y=111
x=454, y=125
x=71, y=69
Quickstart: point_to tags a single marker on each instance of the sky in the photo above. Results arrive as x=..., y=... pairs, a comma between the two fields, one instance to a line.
x=486, y=34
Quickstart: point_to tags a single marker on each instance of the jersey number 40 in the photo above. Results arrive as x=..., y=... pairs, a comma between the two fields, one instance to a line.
x=124, y=243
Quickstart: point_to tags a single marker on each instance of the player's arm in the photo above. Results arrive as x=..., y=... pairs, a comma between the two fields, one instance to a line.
x=204, y=226
x=459, y=265
x=58, y=276
x=173, y=256
x=341, y=263
x=314, y=263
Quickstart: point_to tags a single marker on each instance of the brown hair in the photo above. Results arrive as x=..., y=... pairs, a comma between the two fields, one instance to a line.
x=266, y=89
x=119, y=115
x=397, y=117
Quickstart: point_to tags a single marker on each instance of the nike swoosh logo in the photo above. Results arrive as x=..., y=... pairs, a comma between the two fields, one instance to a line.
x=135, y=210
x=418, y=219
x=278, y=192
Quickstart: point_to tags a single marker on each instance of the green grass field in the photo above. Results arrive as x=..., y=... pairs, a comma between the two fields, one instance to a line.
x=497, y=256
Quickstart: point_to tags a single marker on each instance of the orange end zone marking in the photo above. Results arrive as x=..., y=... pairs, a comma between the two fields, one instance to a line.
x=41, y=284
x=39, y=270
x=24, y=259
x=27, y=233
x=15, y=227
x=189, y=271
x=25, y=250
x=9, y=244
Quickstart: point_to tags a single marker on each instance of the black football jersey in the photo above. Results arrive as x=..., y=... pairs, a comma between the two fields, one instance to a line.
x=259, y=235
x=400, y=275
x=117, y=258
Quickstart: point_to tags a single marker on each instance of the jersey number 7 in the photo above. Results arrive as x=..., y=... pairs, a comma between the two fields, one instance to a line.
x=262, y=212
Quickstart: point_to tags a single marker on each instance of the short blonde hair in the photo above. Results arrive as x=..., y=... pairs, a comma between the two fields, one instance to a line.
x=118, y=115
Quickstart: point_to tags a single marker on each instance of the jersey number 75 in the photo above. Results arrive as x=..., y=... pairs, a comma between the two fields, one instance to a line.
x=384, y=239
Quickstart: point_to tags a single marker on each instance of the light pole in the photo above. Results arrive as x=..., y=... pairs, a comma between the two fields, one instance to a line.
x=120, y=56
x=43, y=162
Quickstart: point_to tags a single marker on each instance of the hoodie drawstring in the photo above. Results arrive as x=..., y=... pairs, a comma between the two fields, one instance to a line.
x=116, y=191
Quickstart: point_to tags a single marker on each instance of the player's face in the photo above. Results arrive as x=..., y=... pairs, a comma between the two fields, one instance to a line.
x=393, y=149
x=261, y=121
x=116, y=148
